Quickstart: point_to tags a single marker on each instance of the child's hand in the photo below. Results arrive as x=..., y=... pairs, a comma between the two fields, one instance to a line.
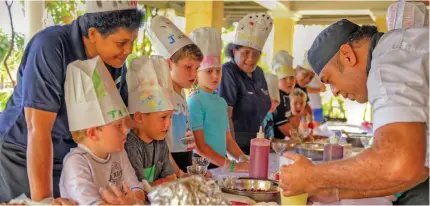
x=208, y=174
x=118, y=198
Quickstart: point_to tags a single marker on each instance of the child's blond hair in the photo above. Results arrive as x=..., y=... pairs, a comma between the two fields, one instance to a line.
x=79, y=135
x=297, y=92
x=190, y=50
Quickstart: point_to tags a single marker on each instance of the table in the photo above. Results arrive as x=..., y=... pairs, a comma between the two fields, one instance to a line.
x=218, y=173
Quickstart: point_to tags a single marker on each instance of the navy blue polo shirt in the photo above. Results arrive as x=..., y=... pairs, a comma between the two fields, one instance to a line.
x=249, y=98
x=282, y=114
x=41, y=76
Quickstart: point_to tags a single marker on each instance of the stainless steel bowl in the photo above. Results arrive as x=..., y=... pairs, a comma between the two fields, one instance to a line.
x=267, y=189
x=355, y=140
x=315, y=151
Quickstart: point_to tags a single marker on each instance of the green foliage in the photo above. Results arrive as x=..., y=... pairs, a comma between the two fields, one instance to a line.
x=15, y=57
x=4, y=97
x=63, y=11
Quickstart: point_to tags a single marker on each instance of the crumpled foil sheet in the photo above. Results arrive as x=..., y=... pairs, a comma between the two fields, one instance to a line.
x=194, y=190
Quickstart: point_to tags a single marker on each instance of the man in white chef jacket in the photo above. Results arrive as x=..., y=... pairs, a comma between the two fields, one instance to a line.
x=391, y=71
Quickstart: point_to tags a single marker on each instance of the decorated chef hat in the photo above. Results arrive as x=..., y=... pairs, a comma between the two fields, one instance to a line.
x=407, y=15
x=272, y=85
x=149, y=85
x=253, y=30
x=92, y=98
x=103, y=6
x=282, y=64
x=209, y=41
x=166, y=37
x=305, y=63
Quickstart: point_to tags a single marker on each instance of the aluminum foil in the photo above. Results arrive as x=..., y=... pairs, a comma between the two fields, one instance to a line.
x=194, y=190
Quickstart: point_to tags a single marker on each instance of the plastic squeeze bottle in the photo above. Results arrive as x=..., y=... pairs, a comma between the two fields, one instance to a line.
x=259, y=158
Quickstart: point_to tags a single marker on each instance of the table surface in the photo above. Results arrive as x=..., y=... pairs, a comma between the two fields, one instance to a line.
x=274, y=166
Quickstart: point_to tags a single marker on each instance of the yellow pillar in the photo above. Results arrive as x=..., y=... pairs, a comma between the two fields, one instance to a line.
x=203, y=13
x=378, y=17
x=381, y=23
x=283, y=34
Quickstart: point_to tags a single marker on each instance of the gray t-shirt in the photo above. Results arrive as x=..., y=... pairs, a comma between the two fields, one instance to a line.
x=84, y=174
x=150, y=161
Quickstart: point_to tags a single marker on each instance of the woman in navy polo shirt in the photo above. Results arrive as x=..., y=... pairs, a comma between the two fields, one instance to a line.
x=34, y=134
x=243, y=85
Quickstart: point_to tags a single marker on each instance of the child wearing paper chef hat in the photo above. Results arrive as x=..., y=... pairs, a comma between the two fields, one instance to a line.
x=184, y=59
x=209, y=111
x=98, y=123
x=275, y=98
x=151, y=105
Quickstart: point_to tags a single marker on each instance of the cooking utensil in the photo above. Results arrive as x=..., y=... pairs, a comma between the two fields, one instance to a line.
x=315, y=151
x=260, y=190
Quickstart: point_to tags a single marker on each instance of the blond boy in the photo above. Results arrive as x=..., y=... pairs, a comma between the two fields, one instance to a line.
x=98, y=121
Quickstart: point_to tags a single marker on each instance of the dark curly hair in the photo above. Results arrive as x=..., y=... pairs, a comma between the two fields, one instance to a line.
x=229, y=49
x=363, y=33
x=109, y=22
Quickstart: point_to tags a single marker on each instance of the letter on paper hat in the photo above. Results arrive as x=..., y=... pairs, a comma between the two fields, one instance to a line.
x=91, y=96
x=166, y=37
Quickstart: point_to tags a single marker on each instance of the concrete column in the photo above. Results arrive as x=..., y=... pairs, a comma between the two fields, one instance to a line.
x=203, y=13
x=283, y=28
x=34, y=15
x=379, y=17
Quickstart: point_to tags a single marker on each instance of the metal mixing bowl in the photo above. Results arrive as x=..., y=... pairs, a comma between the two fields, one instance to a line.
x=243, y=186
x=315, y=151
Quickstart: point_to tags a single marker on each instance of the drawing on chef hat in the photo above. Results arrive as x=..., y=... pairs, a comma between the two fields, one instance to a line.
x=403, y=15
x=272, y=85
x=103, y=6
x=150, y=87
x=253, y=30
x=209, y=41
x=282, y=64
x=166, y=37
x=91, y=96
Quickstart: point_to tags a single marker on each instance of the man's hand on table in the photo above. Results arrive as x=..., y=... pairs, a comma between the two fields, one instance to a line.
x=295, y=179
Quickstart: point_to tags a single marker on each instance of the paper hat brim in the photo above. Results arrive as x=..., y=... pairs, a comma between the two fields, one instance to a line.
x=96, y=6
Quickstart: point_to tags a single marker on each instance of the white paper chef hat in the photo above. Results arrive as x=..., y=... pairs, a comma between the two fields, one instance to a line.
x=166, y=37
x=103, y=6
x=253, y=30
x=208, y=39
x=407, y=15
x=282, y=64
x=272, y=85
x=305, y=63
x=149, y=85
x=92, y=98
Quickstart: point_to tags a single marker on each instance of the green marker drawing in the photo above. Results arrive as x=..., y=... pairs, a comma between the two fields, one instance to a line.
x=98, y=84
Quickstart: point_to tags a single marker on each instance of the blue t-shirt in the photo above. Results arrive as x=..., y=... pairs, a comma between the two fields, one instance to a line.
x=41, y=76
x=249, y=98
x=268, y=126
x=209, y=112
x=180, y=137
